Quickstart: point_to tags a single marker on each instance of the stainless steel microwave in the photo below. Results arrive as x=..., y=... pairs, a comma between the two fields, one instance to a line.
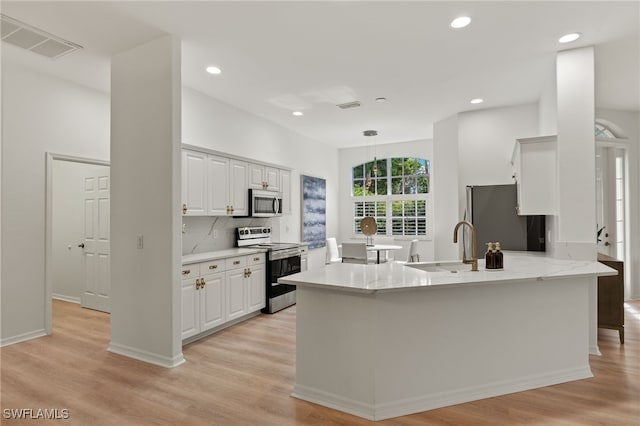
x=264, y=203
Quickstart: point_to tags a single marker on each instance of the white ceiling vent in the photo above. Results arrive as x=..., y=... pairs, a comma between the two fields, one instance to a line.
x=33, y=39
x=354, y=104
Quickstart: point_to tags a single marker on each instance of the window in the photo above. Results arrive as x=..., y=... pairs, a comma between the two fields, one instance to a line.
x=394, y=191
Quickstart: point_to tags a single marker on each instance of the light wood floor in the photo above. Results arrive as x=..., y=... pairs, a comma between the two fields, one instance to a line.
x=244, y=376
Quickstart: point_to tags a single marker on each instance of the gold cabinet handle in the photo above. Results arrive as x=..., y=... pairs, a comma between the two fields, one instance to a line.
x=184, y=209
x=236, y=262
x=255, y=259
x=245, y=273
x=186, y=272
x=213, y=266
x=202, y=283
x=198, y=284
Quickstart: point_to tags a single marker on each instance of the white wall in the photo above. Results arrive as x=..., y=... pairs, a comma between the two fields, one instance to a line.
x=485, y=144
x=68, y=227
x=212, y=124
x=548, y=107
x=146, y=202
x=629, y=121
x=350, y=157
x=40, y=114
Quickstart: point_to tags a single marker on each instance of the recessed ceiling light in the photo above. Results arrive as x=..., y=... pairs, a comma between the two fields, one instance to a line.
x=297, y=113
x=213, y=70
x=568, y=38
x=460, y=22
x=477, y=101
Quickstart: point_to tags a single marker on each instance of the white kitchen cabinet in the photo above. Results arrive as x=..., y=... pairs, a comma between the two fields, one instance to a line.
x=194, y=183
x=304, y=259
x=285, y=188
x=238, y=195
x=535, y=173
x=256, y=283
x=190, y=307
x=203, y=299
x=218, y=188
x=264, y=177
x=236, y=293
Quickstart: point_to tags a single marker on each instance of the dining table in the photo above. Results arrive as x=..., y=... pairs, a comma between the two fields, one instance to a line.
x=382, y=247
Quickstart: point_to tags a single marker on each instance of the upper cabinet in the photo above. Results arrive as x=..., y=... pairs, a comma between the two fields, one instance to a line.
x=194, y=183
x=535, y=174
x=264, y=177
x=216, y=185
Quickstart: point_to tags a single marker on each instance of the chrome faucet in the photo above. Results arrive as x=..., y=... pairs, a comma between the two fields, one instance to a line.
x=474, y=254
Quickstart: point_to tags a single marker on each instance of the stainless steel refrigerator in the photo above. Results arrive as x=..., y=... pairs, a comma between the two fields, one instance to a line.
x=492, y=210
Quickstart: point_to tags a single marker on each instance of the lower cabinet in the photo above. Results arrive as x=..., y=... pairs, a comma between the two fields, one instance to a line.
x=220, y=291
x=611, y=297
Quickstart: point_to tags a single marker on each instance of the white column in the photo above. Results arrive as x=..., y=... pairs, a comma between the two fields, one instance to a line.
x=446, y=194
x=145, y=202
x=576, y=221
x=576, y=155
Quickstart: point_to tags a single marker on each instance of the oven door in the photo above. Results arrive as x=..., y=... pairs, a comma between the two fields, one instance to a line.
x=279, y=268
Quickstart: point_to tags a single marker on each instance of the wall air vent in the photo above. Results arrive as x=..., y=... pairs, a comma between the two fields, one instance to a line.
x=33, y=39
x=354, y=104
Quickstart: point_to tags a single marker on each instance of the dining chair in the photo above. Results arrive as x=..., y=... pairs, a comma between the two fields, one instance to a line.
x=413, y=252
x=354, y=253
x=333, y=255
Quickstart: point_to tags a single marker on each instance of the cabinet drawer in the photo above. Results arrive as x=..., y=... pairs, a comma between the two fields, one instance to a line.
x=236, y=262
x=190, y=271
x=255, y=259
x=212, y=267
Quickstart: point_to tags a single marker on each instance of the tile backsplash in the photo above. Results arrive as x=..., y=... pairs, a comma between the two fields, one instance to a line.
x=198, y=232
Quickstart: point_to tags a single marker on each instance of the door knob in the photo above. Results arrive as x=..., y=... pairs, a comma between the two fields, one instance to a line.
x=81, y=245
x=607, y=244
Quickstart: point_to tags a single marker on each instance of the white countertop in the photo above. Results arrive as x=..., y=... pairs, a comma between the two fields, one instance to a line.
x=219, y=254
x=390, y=276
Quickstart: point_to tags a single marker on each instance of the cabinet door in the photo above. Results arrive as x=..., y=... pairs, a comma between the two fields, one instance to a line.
x=218, y=185
x=256, y=176
x=272, y=178
x=190, y=308
x=257, y=288
x=238, y=195
x=304, y=263
x=536, y=175
x=236, y=293
x=212, y=301
x=194, y=183
x=285, y=188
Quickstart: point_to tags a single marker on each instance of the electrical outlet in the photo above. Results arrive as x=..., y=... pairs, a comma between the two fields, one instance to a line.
x=215, y=233
x=184, y=228
x=140, y=242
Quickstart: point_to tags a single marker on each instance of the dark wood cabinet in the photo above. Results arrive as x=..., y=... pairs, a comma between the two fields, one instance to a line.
x=611, y=297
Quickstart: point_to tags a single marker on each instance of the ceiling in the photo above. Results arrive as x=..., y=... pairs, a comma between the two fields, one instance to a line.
x=280, y=57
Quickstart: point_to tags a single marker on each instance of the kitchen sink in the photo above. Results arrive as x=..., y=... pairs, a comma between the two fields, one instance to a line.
x=444, y=266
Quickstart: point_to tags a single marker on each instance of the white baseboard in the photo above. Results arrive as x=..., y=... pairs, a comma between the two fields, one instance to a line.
x=22, y=337
x=145, y=356
x=403, y=407
x=65, y=298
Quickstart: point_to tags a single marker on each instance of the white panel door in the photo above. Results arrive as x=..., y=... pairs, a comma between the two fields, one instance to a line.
x=238, y=195
x=272, y=178
x=96, y=244
x=194, y=183
x=236, y=293
x=190, y=307
x=218, y=185
x=212, y=301
x=256, y=286
x=285, y=188
x=256, y=176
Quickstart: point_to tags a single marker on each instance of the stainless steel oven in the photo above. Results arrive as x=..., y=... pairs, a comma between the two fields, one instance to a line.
x=282, y=259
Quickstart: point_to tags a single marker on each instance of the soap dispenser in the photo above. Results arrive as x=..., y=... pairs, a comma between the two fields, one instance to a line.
x=498, y=257
x=490, y=257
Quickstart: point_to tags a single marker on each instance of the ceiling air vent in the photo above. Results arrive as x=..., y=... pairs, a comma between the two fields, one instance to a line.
x=33, y=39
x=354, y=104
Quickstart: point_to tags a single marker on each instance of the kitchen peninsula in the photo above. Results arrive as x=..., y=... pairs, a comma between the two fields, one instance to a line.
x=381, y=341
